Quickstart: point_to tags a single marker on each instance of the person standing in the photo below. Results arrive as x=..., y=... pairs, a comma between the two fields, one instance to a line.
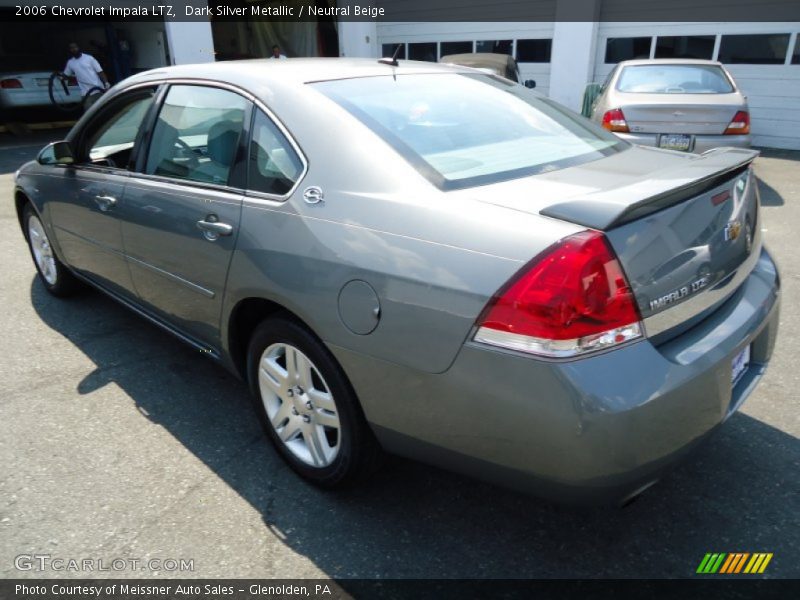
x=91, y=78
x=276, y=52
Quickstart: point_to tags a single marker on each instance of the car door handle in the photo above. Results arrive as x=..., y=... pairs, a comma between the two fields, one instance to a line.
x=214, y=228
x=105, y=202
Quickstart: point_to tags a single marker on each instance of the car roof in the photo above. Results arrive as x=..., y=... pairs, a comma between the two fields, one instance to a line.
x=292, y=70
x=669, y=61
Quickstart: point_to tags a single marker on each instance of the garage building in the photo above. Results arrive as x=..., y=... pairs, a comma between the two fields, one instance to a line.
x=560, y=53
x=563, y=57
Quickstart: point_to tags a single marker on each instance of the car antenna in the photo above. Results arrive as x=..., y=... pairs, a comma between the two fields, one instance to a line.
x=392, y=61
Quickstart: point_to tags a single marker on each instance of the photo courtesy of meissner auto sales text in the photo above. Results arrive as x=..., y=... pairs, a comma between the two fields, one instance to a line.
x=420, y=299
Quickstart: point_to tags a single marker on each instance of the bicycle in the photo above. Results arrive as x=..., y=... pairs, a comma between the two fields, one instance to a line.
x=58, y=88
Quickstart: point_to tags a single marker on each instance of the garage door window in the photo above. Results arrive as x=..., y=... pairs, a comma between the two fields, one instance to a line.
x=449, y=48
x=422, y=51
x=628, y=48
x=762, y=49
x=534, y=51
x=197, y=134
x=274, y=165
x=494, y=46
x=389, y=50
x=685, y=46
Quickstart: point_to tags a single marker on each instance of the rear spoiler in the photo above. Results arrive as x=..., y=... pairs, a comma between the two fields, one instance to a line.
x=662, y=189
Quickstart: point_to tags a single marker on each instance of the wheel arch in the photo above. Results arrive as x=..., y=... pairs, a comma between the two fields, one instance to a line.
x=23, y=199
x=242, y=321
x=20, y=200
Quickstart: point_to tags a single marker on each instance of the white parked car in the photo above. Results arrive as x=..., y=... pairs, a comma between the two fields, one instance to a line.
x=677, y=104
x=24, y=89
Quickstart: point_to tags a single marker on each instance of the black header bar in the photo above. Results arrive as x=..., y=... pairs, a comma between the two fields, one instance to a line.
x=385, y=11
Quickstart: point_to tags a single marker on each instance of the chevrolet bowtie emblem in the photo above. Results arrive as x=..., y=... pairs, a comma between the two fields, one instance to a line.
x=732, y=231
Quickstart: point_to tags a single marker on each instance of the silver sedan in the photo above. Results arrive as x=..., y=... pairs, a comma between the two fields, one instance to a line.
x=422, y=259
x=684, y=105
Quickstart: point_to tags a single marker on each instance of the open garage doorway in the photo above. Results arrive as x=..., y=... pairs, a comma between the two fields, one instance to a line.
x=121, y=48
x=254, y=38
x=32, y=50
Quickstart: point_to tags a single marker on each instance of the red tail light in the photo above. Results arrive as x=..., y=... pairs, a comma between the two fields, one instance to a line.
x=72, y=82
x=740, y=125
x=614, y=120
x=10, y=84
x=573, y=298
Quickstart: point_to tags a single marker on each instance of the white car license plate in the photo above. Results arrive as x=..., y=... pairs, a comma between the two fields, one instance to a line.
x=675, y=141
x=739, y=364
x=40, y=81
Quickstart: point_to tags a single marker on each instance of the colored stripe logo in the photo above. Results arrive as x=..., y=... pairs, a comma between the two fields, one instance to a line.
x=734, y=562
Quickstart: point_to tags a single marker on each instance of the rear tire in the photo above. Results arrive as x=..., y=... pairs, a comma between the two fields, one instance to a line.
x=307, y=407
x=54, y=275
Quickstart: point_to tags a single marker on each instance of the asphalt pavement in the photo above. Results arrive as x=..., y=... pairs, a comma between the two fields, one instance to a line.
x=118, y=442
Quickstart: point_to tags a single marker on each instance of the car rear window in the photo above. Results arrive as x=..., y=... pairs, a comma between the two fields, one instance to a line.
x=674, y=79
x=462, y=130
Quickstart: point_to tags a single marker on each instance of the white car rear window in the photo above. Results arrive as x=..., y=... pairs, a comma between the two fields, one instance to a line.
x=674, y=79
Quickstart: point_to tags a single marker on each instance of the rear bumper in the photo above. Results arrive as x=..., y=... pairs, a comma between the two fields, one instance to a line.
x=702, y=143
x=24, y=98
x=592, y=430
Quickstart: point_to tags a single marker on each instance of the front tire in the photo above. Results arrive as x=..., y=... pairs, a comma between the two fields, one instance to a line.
x=306, y=405
x=55, y=277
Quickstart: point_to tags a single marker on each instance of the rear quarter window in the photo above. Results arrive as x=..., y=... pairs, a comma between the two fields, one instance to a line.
x=274, y=166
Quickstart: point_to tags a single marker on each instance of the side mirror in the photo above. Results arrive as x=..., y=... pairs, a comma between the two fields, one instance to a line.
x=530, y=83
x=56, y=153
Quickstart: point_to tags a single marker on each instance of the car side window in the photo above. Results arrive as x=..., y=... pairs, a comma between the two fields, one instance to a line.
x=111, y=142
x=196, y=135
x=274, y=166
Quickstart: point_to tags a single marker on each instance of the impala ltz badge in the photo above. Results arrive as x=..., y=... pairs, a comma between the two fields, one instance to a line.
x=680, y=293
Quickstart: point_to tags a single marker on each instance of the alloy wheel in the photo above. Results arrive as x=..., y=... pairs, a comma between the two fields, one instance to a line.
x=299, y=405
x=42, y=251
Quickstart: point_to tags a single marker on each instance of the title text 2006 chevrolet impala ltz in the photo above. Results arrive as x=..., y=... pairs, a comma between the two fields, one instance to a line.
x=421, y=258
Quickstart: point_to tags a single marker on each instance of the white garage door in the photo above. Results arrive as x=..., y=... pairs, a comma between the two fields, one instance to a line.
x=764, y=58
x=529, y=43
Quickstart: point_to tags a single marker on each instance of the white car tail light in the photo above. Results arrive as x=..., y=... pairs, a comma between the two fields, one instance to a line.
x=740, y=125
x=614, y=120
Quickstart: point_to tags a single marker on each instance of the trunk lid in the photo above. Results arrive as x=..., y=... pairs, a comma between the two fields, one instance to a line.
x=686, y=234
x=697, y=114
x=687, y=258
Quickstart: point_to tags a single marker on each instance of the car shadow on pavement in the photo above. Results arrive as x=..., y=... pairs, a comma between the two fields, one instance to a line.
x=769, y=195
x=738, y=492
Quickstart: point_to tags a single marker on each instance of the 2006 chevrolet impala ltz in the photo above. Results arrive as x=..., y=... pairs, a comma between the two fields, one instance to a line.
x=422, y=258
